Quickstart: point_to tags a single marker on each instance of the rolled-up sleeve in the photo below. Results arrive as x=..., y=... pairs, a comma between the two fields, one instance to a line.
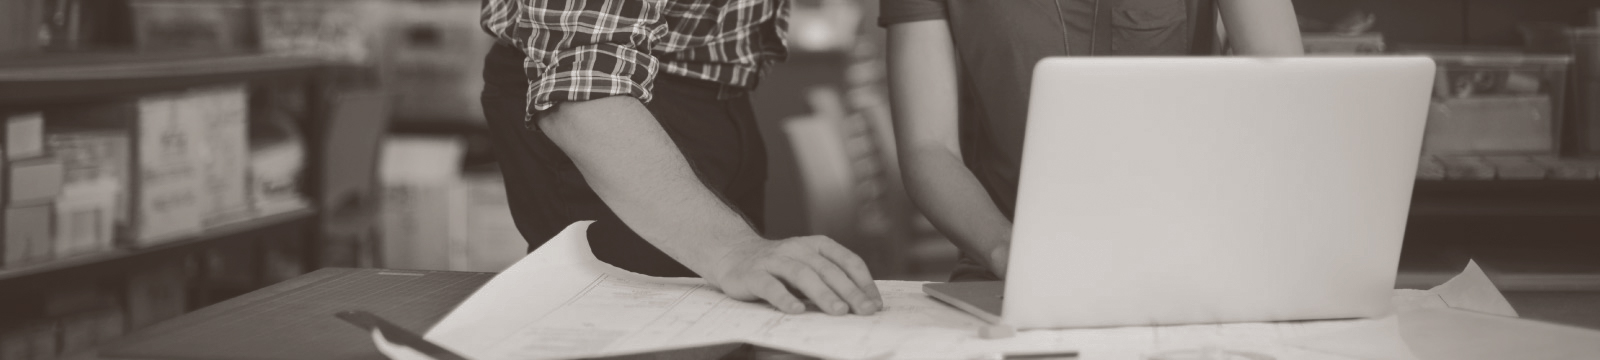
x=892, y=12
x=585, y=50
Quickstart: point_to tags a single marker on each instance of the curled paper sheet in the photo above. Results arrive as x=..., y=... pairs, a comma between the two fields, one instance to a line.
x=1427, y=324
x=1472, y=291
x=561, y=302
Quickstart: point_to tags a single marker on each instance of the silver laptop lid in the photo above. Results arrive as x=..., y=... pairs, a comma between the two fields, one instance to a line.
x=1200, y=190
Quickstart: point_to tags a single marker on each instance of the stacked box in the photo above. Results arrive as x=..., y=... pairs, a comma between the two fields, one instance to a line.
x=167, y=196
x=85, y=219
x=35, y=181
x=24, y=135
x=224, y=157
x=95, y=144
x=93, y=207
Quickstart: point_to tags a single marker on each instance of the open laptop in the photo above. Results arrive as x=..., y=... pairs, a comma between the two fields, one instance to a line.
x=1161, y=191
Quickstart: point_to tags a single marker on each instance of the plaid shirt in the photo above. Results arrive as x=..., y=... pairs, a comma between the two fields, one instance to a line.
x=589, y=49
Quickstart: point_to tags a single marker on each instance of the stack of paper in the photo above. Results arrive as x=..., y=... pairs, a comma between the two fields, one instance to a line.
x=561, y=302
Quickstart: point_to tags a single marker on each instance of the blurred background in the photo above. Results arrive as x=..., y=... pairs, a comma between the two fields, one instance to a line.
x=164, y=155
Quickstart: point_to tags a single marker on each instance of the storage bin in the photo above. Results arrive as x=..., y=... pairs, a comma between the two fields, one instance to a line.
x=1489, y=104
x=192, y=24
x=344, y=31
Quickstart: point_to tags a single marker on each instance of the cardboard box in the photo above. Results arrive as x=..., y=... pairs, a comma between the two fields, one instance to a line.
x=85, y=218
x=424, y=203
x=28, y=238
x=274, y=173
x=421, y=222
x=34, y=181
x=94, y=156
x=224, y=157
x=167, y=191
x=24, y=135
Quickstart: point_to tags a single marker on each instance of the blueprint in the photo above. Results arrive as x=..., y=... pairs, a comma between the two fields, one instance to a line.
x=561, y=302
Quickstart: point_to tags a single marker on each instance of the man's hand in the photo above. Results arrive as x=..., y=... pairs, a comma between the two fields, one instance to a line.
x=634, y=166
x=835, y=279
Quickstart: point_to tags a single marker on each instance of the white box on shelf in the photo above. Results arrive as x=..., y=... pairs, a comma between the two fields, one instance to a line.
x=85, y=217
x=34, y=181
x=92, y=156
x=424, y=203
x=274, y=169
x=422, y=222
x=169, y=182
x=224, y=150
x=24, y=135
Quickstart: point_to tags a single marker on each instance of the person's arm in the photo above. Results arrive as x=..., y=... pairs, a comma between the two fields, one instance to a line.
x=1261, y=27
x=590, y=85
x=923, y=96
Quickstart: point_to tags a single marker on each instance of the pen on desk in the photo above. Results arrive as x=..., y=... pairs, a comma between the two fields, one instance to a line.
x=398, y=335
x=1039, y=356
x=1032, y=356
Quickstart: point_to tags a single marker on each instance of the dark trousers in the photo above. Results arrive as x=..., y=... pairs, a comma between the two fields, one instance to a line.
x=547, y=193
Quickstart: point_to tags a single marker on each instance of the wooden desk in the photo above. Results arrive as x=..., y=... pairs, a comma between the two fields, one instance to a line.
x=333, y=339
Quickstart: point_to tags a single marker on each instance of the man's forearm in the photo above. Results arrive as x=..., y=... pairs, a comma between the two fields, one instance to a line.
x=634, y=166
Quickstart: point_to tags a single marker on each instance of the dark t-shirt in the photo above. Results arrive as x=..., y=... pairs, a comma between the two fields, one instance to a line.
x=999, y=41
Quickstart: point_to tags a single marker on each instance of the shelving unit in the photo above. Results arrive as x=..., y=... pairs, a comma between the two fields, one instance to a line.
x=121, y=259
x=258, y=250
x=63, y=77
x=46, y=79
